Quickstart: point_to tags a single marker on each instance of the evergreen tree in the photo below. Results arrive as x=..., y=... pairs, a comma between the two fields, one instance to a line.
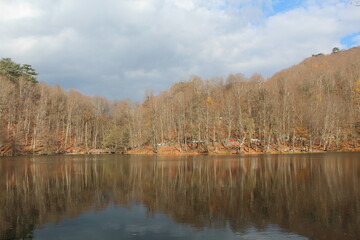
x=14, y=71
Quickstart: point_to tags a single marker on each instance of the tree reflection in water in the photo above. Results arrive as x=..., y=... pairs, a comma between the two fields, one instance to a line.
x=316, y=196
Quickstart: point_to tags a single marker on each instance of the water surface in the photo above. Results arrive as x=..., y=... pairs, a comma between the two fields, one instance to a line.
x=310, y=196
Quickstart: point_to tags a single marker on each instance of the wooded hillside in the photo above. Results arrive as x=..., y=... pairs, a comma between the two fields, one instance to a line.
x=314, y=105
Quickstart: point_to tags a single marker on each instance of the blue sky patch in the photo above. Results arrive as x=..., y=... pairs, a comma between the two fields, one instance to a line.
x=279, y=6
x=349, y=40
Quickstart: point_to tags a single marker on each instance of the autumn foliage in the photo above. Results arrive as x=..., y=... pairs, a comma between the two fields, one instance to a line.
x=314, y=105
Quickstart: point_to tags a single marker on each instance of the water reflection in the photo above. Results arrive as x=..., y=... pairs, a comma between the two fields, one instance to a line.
x=315, y=196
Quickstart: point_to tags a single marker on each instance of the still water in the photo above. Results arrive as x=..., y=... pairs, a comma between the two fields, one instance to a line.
x=310, y=196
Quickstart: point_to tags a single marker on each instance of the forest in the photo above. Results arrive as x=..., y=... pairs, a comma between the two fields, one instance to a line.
x=312, y=106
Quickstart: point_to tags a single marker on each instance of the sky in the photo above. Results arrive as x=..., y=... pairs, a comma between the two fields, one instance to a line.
x=118, y=49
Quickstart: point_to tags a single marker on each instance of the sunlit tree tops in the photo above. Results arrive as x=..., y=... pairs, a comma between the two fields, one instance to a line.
x=14, y=70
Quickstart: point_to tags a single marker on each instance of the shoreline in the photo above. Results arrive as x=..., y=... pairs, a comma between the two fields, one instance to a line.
x=191, y=150
x=190, y=153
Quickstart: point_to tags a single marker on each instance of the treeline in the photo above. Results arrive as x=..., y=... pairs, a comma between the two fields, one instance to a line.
x=313, y=105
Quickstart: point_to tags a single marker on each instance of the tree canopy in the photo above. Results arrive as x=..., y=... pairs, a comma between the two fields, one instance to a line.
x=312, y=106
x=335, y=50
x=14, y=70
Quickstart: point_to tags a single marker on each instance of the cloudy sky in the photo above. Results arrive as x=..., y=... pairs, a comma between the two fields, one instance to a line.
x=120, y=48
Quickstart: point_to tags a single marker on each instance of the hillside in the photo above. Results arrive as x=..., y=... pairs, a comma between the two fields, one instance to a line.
x=327, y=89
x=312, y=106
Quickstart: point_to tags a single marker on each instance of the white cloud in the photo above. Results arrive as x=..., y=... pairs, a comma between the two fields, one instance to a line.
x=120, y=48
x=136, y=74
x=17, y=10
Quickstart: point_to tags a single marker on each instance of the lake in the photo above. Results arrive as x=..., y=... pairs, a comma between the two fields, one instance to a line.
x=262, y=197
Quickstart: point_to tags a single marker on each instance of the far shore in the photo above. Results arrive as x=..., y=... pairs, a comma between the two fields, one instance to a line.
x=175, y=150
x=148, y=152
